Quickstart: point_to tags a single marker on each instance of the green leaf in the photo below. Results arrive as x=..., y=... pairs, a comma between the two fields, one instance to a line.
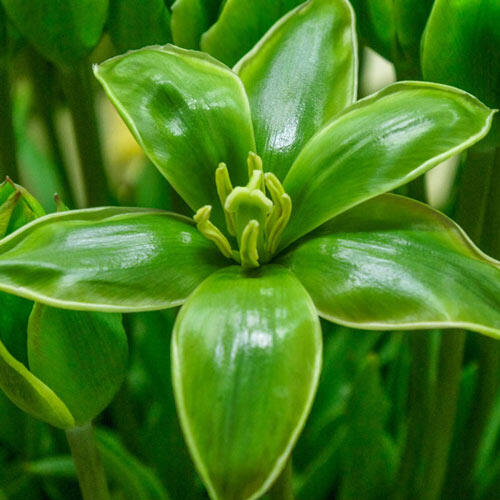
x=107, y=259
x=241, y=25
x=394, y=263
x=301, y=74
x=376, y=25
x=190, y=19
x=63, y=32
x=134, y=23
x=461, y=47
x=31, y=394
x=378, y=144
x=81, y=356
x=246, y=355
x=188, y=112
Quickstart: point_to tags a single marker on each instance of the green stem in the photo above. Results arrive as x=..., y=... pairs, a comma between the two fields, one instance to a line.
x=80, y=98
x=42, y=74
x=283, y=487
x=411, y=470
x=439, y=432
x=91, y=476
x=8, y=158
x=488, y=349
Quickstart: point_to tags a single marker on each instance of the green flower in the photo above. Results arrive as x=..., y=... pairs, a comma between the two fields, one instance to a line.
x=286, y=177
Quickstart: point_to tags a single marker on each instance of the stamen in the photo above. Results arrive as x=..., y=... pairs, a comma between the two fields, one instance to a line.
x=276, y=191
x=211, y=232
x=254, y=162
x=224, y=188
x=274, y=235
x=249, y=254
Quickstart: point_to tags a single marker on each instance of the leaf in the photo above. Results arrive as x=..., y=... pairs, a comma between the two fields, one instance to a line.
x=63, y=32
x=82, y=356
x=241, y=25
x=190, y=19
x=461, y=47
x=107, y=259
x=134, y=23
x=246, y=355
x=378, y=144
x=30, y=394
x=301, y=74
x=394, y=263
x=188, y=112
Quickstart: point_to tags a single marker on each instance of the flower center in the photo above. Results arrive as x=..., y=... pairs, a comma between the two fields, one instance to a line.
x=255, y=220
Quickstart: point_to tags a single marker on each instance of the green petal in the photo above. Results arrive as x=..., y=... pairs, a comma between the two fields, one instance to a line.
x=240, y=26
x=63, y=32
x=190, y=19
x=394, y=263
x=82, y=356
x=246, y=355
x=31, y=394
x=188, y=112
x=378, y=144
x=107, y=259
x=461, y=46
x=301, y=74
x=134, y=23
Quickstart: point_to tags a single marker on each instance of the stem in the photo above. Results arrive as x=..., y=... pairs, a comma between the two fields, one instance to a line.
x=42, y=74
x=91, y=476
x=80, y=98
x=439, y=432
x=8, y=158
x=488, y=348
x=410, y=474
x=282, y=489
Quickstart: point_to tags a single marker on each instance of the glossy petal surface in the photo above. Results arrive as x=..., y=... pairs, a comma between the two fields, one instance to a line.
x=108, y=259
x=241, y=25
x=190, y=19
x=63, y=32
x=301, y=74
x=246, y=356
x=134, y=23
x=188, y=112
x=394, y=263
x=461, y=46
x=31, y=394
x=80, y=355
x=378, y=144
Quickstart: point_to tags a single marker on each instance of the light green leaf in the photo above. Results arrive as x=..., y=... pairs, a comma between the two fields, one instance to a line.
x=241, y=25
x=31, y=394
x=188, y=112
x=394, y=263
x=246, y=355
x=134, y=23
x=107, y=259
x=461, y=46
x=82, y=356
x=63, y=32
x=378, y=144
x=190, y=19
x=301, y=74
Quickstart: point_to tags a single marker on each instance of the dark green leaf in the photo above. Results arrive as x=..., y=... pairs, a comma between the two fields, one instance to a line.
x=393, y=263
x=107, y=259
x=378, y=144
x=188, y=112
x=246, y=355
x=301, y=74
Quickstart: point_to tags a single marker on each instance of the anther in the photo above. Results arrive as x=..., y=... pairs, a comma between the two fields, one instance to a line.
x=211, y=232
x=224, y=188
x=249, y=255
x=275, y=232
x=254, y=162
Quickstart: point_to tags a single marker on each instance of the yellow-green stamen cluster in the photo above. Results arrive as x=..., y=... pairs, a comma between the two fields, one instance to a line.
x=255, y=220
